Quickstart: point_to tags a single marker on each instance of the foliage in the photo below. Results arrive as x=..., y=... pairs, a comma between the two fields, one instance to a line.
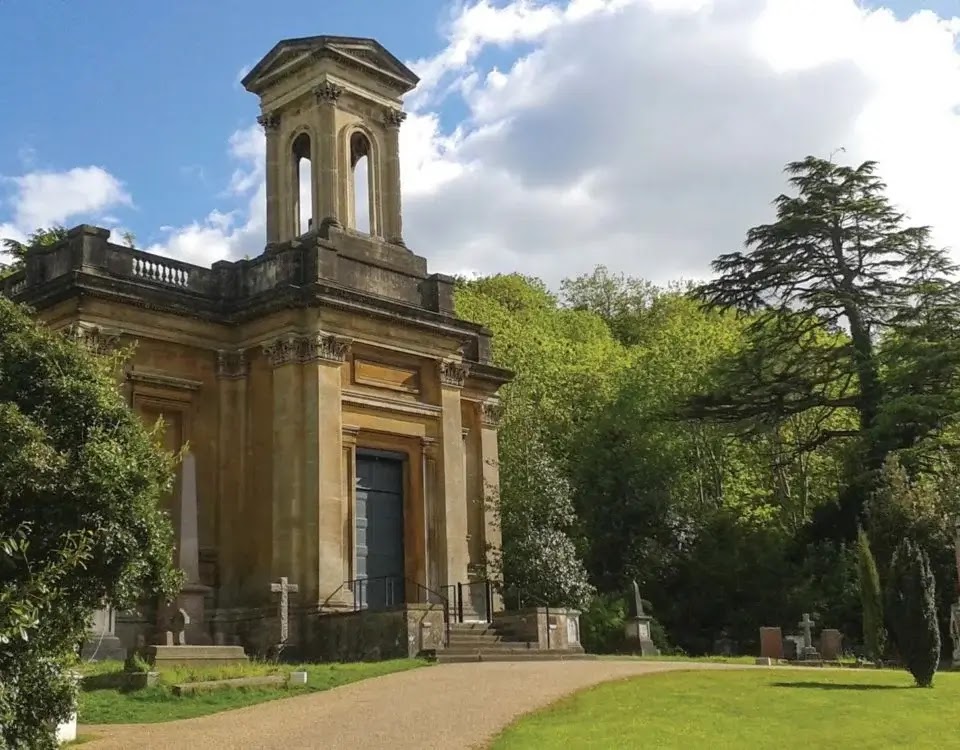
x=912, y=611
x=80, y=522
x=836, y=273
x=874, y=633
x=18, y=250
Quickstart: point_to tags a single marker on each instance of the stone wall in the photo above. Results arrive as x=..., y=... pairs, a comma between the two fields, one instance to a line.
x=532, y=625
x=398, y=633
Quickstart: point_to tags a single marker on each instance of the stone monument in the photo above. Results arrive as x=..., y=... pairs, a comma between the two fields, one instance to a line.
x=102, y=643
x=637, y=626
x=831, y=644
x=808, y=652
x=771, y=643
x=284, y=588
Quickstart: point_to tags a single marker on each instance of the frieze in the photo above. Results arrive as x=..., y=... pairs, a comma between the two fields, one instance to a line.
x=327, y=92
x=269, y=121
x=453, y=373
x=232, y=365
x=323, y=346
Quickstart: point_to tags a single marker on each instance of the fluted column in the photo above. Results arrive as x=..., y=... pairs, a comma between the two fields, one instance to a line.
x=390, y=185
x=271, y=127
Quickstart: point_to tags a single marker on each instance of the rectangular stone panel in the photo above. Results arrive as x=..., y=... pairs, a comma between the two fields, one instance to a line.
x=390, y=377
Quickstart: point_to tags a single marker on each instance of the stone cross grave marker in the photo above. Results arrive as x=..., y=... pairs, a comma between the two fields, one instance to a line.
x=806, y=625
x=284, y=588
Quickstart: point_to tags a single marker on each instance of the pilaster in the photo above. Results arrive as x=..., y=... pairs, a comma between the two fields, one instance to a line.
x=490, y=412
x=232, y=369
x=434, y=546
x=453, y=470
x=324, y=517
x=325, y=187
x=271, y=127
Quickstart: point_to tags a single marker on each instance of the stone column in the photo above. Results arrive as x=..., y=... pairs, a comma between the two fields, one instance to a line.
x=231, y=450
x=490, y=476
x=287, y=409
x=323, y=520
x=349, y=476
x=390, y=184
x=325, y=170
x=271, y=126
x=453, y=484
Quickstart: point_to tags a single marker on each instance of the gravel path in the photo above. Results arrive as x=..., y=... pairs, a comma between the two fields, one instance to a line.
x=450, y=706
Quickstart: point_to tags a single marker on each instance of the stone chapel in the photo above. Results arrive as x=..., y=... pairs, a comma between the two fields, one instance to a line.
x=340, y=420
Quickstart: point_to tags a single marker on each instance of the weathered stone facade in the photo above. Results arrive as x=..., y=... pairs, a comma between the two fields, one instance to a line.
x=278, y=369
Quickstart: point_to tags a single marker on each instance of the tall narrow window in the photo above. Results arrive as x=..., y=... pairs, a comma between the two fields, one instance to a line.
x=303, y=171
x=360, y=163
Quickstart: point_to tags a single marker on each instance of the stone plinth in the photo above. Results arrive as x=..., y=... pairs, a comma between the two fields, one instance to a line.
x=102, y=643
x=194, y=656
x=637, y=633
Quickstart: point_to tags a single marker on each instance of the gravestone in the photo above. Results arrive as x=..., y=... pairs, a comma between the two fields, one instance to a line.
x=771, y=643
x=637, y=626
x=102, y=643
x=284, y=588
x=831, y=644
x=808, y=652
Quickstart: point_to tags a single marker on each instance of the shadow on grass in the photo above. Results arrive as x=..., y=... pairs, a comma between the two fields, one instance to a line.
x=838, y=686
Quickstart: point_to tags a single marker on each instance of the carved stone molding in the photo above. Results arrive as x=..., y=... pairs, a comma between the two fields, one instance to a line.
x=94, y=338
x=269, y=121
x=281, y=351
x=327, y=92
x=324, y=346
x=394, y=118
x=453, y=373
x=429, y=446
x=490, y=413
x=232, y=365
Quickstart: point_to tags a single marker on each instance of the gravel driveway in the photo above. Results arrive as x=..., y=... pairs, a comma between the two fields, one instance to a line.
x=450, y=706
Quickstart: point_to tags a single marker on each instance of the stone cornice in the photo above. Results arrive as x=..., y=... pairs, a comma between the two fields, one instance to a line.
x=452, y=373
x=232, y=365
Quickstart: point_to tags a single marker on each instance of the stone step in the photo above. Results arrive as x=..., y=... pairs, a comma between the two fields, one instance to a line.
x=489, y=642
x=501, y=646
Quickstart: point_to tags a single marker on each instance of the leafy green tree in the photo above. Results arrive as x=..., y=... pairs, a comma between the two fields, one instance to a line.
x=81, y=482
x=838, y=274
x=912, y=611
x=871, y=601
x=18, y=250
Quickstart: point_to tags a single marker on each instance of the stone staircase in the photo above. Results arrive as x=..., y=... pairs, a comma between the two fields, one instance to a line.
x=481, y=641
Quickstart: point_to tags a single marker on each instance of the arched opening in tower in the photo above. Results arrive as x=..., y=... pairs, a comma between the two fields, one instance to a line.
x=362, y=198
x=303, y=212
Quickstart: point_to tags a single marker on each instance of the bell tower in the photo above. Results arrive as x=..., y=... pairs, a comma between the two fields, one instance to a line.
x=331, y=109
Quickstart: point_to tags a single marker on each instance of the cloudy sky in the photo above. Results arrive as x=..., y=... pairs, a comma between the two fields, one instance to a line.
x=547, y=136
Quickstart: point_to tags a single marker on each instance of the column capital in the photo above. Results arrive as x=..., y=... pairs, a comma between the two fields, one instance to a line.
x=232, y=365
x=95, y=338
x=269, y=121
x=428, y=446
x=453, y=373
x=490, y=413
x=282, y=350
x=327, y=92
x=324, y=347
x=393, y=118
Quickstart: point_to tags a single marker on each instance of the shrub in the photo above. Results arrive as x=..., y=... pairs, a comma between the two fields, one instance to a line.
x=874, y=634
x=912, y=611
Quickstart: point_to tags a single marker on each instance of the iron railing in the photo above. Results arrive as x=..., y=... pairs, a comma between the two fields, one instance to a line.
x=489, y=586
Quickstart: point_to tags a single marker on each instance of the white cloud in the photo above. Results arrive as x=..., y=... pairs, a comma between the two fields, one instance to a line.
x=45, y=198
x=644, y=134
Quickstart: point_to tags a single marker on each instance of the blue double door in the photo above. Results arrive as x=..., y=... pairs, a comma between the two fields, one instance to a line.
x=379, y=530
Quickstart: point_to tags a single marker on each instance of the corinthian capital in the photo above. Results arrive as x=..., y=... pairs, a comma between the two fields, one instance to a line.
x=269, y=121
x=394, y=117
x=231, y=365
x=490, y=413
x=94, y=338
x=453, y=373
x=281, y=351
x=323, y=347
x=327, y=92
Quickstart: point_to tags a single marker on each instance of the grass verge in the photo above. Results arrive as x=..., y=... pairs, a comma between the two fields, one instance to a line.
x=746, y=709
x=103, y=702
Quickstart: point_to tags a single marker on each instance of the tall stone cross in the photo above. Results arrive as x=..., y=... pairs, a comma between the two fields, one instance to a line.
x=284, y=588
x=806, y=625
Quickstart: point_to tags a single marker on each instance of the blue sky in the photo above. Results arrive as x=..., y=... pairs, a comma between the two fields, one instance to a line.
x=637, y=133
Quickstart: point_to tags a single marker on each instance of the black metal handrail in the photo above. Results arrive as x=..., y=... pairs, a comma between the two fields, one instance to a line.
x=488, y=588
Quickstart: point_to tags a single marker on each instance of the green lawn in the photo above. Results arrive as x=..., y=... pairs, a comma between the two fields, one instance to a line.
x=779, y=709
x=101, y=702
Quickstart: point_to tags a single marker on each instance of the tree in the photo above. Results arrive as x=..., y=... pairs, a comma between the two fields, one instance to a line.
x=912, y=611
x=874, y=635
x=18, y=250
x=826, y=286
x=81, y=483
